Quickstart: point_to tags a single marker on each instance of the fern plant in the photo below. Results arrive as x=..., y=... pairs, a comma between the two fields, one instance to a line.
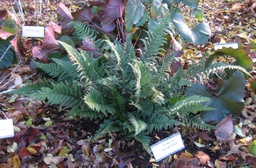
x=131, y=95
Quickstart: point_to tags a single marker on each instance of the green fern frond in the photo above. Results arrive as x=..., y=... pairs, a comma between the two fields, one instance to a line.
x=30, y=89
x=87, y=66
x=158, y=97
x=68, y=40
x=187, y=103
x=223, y=66
x=159, y=121
x=63, y=94
x=156, y=39
x=197, y=122
x=137, y=73
x=84, y=112
x=95, y=101
x=108, y=126
x=120, y=104
x=117, y=50
x=144, y=140
x=63, y=69
x=137, y=124
x=82, y=30
x=52, y=69
x=79, y=59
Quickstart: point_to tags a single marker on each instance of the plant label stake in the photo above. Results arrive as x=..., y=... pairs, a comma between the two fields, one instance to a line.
x=31, y=31
x=233, y=45
x=6, y=128
x=167, y=146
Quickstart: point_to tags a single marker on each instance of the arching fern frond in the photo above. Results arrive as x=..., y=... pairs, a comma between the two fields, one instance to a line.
x=214, y=68
x=82, y=30
x=108, y=126
x=85, y=31
x=156, y=39
x=159, y=121
x=144, y=140
x=182, y=107
x=118, y=52
x=85, y=112
x=137, y=124
x=33, y=89
x=79, y=60
x=196, y=122
x=63, y=94
x=62, y=69
x=95, y=101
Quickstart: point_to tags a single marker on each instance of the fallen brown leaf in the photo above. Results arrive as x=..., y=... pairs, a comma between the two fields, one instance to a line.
x=220, y=164
x=224, y=128
x=186, y=163
x=203, y=157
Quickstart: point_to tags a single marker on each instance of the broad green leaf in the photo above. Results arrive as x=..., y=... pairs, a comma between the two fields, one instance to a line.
x=198, y=14
x=228, y=100
x=158, y=9
x=143, y=19
x=253, y=147
x=253, y=86
x=191, y=3
x=198, y=35
x=134, y=11
x=252, y=45
x=9, y=26
x=239, y=54
x=7, y=54
x=171, y=2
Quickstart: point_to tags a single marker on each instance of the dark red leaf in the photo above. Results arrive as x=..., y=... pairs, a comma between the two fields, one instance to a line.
x=64, y=12
x=49, y=41
x=3, y=15
x=24, y=152
x=64, y=17
x=204, y=136
x=32, y=134
x=15, y=43
x=30, y=150
x=56, y=27
x=97, y=2
x=114, y=10
x=83, y=14
x=49, y=44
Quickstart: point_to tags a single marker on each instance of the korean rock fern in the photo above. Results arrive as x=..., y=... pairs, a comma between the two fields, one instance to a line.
x=130, y=95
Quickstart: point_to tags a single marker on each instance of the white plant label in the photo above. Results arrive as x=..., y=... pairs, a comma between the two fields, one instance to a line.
x=33, y=31
x=233, y=45
x=167, y=146
x=6, y=128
